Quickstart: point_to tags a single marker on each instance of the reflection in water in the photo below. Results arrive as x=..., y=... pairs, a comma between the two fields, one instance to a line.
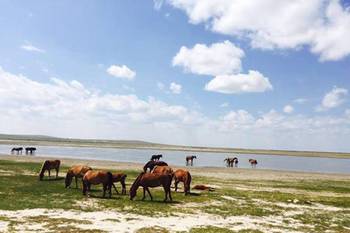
x=309, y=164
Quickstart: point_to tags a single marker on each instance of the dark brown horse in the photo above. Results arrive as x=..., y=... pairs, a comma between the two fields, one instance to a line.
x=231, y=161
x=76, y=171
x=189, y=160
x=253, y=162
x=151, y=164
x=17, y=149
x=48, y=165
x=30, y=150
x=120, y=177
x=146, y=180
x=184, y=176
x=95, y=178
x=156, y=157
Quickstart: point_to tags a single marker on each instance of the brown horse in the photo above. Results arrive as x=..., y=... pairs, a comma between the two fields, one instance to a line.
x=189, y=160
x=152, y=180
x=119, y=177
x=17, y=149
x=47, y=166
x=163, y=170
x=76, y=171
x=98, y=177
x=151, y=164
x=184, y=176
x=253, y=162
x=203, y=187
x=231, y=161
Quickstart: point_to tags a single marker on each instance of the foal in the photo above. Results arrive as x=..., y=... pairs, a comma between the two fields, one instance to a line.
x=76, y=171
x=119, y=177
x=152, y=180
x=47, y=166
x=184, y=176
x=98, y=177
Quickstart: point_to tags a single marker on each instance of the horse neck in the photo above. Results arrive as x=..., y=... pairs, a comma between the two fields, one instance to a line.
x=43, y=168
x=136, y=183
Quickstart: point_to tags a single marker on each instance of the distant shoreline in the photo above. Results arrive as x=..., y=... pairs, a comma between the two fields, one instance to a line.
x=123, y=144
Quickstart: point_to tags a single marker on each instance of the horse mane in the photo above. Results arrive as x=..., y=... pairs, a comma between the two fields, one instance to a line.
x=42, y=170
x=137, y=180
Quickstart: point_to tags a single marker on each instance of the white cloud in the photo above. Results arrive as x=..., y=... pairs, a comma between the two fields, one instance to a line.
x=157, y=4
x=322, y=25
x=333, y=99
x=121, y=72
x=31, y=48
x=175, y=88
x=239, y=83
x=216, y=59
x=300, y=100
x=224, y=105
x=160, y=86
x=288, y=109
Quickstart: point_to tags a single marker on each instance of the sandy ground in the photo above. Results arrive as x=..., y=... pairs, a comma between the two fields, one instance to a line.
x=225, y=173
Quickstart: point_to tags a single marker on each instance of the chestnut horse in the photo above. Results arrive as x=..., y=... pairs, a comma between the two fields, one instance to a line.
x=163, y=170
x=184, y=176
x=119, y=177
x=151, y=164
x=152, y=180
x=76, y=171
x=98, y=177
x=189, y=160
x=253, y=162
x=47, y=166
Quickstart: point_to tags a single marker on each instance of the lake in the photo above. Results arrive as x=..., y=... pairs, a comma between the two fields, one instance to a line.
x=204, y=159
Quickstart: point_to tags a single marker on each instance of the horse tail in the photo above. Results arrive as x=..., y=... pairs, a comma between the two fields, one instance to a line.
x=188, y=183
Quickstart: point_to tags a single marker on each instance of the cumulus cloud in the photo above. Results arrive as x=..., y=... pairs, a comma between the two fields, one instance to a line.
x=333, y=99
x=122, y=71
x=31, y=48
x=300, y=100
x=322, y=25
x=288, y=109
x=254, y=81
x=216, y=59
x=224, y=105
x=175, y=88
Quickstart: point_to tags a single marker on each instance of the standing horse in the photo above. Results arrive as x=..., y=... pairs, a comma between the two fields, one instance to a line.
x=253, y=162
x=120, y=177
x=17, y=149
x=151, y=164
x=48, y=165
x=189, y=160
x=184, y=176
x=146, y=180
x=30, y=150
x=95, y=178
x=231, y=161
x=156, y=157
x=163, y=170
x=76, y=171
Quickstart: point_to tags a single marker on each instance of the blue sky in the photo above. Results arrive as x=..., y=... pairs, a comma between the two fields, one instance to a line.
x=296, y=98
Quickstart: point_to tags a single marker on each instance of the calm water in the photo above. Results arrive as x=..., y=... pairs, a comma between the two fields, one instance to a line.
x=309, y=164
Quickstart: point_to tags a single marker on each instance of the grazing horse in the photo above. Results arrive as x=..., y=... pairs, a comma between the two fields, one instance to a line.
x=30, y=150
x=17, y=149
x=163, y=170
x=184, y=176
x=231, y=161
x=156, y=157
x=146, y=180
x=151, y=164
x=189, y=160
x=47, y=166
x=253, y=162
x=98, y=177
x=77, y=171
x=120, y=177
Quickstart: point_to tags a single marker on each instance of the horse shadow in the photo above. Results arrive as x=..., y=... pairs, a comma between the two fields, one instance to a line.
x=53, y=179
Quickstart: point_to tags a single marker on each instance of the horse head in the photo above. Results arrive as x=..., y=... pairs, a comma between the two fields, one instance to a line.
x=135, y=186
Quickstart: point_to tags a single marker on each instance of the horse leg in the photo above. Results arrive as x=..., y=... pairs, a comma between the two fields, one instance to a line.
x=76, y=182
x=144, y=194
x=49, y=172
x=149, y=193
x=115, y=188
x=57, y=172
x=176, y=183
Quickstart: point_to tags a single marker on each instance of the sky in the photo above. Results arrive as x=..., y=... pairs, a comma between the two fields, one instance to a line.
x=268, y=74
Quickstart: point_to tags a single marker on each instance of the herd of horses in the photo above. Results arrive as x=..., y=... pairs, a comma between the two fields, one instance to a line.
x=18, y=150
x=155, y=173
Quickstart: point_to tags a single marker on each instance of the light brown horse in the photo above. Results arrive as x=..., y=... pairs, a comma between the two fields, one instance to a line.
x=146, y=180
x=76, y=171
x=253, y=162
x=163, y=170
x=48, y=165
x=184, y=176
x=95, y=178
x=189, y=160
x=120, y=177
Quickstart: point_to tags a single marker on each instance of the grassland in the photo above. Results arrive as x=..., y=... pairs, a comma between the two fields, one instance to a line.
x=259, y=202
x=134, y=144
